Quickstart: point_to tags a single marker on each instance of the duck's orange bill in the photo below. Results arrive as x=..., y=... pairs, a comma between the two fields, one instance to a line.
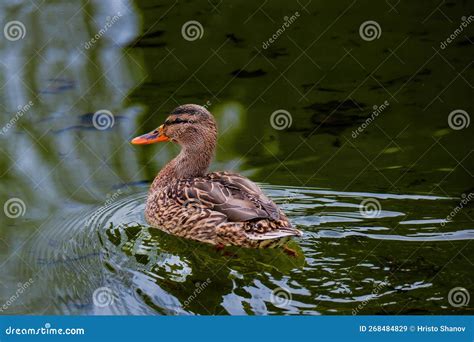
x=150, y=138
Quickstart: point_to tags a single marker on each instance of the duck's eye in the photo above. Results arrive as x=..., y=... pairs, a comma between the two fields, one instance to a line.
x=177, y=121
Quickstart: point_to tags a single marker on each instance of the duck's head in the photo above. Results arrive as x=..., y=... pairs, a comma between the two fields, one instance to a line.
x=190, y=125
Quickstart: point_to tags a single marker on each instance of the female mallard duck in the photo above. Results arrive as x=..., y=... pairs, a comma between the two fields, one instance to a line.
x=220, y=208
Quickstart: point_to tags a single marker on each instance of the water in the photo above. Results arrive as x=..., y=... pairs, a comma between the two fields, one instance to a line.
x=80, y=244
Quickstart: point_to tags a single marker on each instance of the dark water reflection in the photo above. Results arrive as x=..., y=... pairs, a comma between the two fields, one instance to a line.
x=83, y=240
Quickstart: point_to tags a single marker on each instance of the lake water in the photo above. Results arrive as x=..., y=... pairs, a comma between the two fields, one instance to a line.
x=366, y=161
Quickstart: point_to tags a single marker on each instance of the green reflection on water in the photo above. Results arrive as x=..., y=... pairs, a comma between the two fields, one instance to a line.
x=320, y=71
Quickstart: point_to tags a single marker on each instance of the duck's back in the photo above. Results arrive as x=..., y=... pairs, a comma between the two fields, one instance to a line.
x=219, y=208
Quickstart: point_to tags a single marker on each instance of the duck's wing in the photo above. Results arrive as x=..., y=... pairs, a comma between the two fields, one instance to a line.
x=235, y=196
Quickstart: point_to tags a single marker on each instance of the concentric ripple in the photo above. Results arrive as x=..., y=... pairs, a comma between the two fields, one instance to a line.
x=107, y=260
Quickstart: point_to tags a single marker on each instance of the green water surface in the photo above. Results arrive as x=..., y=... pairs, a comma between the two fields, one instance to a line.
x=367, y=121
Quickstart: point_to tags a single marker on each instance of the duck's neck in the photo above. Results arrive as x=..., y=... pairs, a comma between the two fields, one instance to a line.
x=192, y=161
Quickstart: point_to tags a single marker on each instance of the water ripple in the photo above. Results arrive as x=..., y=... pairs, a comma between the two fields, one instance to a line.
x=342, y=259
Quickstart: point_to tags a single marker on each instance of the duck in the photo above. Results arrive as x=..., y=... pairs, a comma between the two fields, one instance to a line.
x=218, y=208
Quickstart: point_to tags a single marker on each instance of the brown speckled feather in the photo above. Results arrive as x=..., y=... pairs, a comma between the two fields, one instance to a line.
x=219, y=208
